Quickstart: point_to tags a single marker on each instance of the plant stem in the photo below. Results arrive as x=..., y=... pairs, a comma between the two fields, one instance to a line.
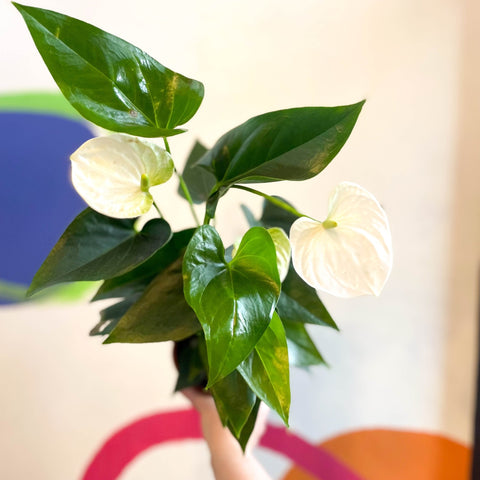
x=183, y=186
x=186, y=192
x=206, y=219
x=158, y=210
x=275, y=201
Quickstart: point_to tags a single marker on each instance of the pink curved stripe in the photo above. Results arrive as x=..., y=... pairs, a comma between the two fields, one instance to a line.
x=310, y=458
x=126, y=444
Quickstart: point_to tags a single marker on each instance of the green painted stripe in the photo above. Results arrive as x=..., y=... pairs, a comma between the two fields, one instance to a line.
x=62, y=293
x=38, y=102
x=12, y=291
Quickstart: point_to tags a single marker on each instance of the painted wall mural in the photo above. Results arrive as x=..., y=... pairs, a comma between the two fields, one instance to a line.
x=39, y=130
x=397, y=402
x=360, y=455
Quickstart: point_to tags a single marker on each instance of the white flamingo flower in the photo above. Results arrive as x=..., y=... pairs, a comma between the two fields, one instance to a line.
x=350, y=253
x=113, y=174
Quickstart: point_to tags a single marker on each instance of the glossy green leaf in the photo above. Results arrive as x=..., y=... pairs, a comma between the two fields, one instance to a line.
x=110, y=316
x=302, y=352
x=293, y=144
x=249, y=426
x=283, y=249
x=136, y=280
x=234, y=300
x=299, y=302
x=94, y=247
x=266, y=369
x=160, y=314
x=198, y=180
x=234, y=400
x=109, y=81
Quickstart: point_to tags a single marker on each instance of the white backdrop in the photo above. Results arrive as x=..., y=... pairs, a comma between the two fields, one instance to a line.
x=404, y=360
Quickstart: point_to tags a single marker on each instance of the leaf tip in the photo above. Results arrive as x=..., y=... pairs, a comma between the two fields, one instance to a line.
x=33, y=289
x=109, y=339
x=21, y=8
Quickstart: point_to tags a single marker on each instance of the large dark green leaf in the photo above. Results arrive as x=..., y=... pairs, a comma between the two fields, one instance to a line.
x=266, y=369
x=160, y=314
x=293, y=144
x=110, y=316
x=136, y=280
x=109, y=81
x=249, y=426
x=299, y=302
x=94, y=247
x=199, y=180
x=234, y=300
x=302, y=352
x=234, y=400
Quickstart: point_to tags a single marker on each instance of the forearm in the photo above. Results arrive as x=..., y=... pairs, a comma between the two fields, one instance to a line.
x=227, y=459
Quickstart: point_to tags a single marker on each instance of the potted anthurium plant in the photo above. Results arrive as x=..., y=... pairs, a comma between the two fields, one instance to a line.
x=237, y=314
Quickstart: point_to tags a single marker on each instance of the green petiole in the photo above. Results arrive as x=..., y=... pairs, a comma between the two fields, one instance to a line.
x=274, y=200
x=183, y=186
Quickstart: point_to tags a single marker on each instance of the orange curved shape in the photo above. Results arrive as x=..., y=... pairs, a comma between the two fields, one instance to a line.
x=396, y=455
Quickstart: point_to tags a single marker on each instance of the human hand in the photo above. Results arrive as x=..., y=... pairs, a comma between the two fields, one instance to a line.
x=228, y=460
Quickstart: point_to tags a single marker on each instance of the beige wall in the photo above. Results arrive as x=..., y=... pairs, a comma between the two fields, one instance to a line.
x=403, y=360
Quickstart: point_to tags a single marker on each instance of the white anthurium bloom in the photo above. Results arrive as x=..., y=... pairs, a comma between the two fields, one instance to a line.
x=350, y=253
x=282, y=249
x=113, y=174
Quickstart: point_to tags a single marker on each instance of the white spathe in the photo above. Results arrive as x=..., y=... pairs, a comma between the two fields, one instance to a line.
x=351, y=259
x=113, y=174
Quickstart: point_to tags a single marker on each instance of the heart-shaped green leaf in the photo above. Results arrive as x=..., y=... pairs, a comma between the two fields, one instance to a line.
x=199, y=180
x=136, y=280
x=109, y=81
x=160, y=314
x=266, y=369
x=302, y=352
x=94, y=247
x=299, y=302
x=235, y=300
x=293, y=144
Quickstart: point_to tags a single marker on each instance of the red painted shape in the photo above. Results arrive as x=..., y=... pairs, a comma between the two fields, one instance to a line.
x=123, y=446
x=126, y=444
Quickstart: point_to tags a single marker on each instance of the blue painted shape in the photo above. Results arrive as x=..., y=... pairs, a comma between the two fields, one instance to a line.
x=37, y=200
